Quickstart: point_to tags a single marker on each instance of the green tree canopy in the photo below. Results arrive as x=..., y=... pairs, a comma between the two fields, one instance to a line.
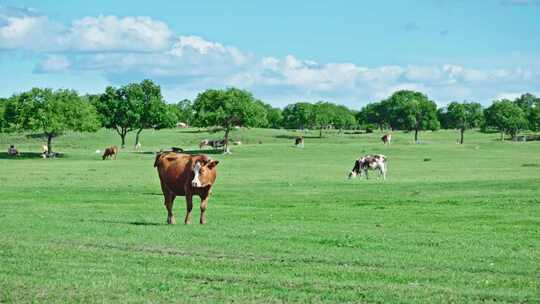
x=134, y=107
x=530, y=105
x=298, y=115
x=3, y=124
x=344, y=118
x=373, y=113
x=410, y=110
x=117, y=111
x=505, y=116
x=151, y=108
x=50, y=112
x=463, y=116
x=184, y=111
x=274, y=116
x=227, y=109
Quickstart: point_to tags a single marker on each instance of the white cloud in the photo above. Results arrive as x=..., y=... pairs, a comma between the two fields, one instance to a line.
x=26, y=30
x=23, y=29
x=110, y=33
x=53, y=64
x=133, y=48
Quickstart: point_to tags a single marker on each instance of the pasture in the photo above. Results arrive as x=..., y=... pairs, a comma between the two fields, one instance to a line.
x=452, y=223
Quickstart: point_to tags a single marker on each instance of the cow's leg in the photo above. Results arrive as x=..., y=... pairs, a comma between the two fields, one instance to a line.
x=366, y=173
x=189, y=207
x=169, y=201
x=204, y=204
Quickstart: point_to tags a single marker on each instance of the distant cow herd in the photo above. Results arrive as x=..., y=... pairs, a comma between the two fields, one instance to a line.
x=187, y=175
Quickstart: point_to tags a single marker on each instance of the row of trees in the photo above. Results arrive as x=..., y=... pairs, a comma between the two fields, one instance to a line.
x=139, y=106
x=413, y=111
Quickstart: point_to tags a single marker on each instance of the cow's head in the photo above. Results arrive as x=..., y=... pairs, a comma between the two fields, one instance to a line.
x=204, y=173
x=356, y=169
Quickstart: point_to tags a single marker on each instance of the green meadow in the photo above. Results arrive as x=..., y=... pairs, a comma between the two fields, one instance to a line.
x=452, y=223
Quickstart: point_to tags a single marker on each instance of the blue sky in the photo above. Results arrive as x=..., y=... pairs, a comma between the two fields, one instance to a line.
x=348, y=52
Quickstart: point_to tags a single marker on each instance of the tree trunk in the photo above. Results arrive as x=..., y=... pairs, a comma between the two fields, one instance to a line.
x=123, y=136
x=502, y=135
x=49, y=144
x=461, y=138
x=320, y=132
x=416, y=135
x=137, y=136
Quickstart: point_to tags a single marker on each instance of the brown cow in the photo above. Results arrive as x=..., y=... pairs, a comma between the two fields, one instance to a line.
x=299, y=141
x=185, y=175
x=110, y=152
x=386, y=138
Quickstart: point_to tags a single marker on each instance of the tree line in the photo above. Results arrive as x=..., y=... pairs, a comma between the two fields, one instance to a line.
x=138, y=106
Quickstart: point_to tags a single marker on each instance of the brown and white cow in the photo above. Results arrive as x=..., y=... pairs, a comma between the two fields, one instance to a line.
x=370, y=162
x=110, y=152
x=299, y=141
x=216, y=143
x=386, y=138
x=185, y=175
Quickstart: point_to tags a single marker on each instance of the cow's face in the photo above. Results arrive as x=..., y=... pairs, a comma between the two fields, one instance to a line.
x=204, y=173
x=356, y=169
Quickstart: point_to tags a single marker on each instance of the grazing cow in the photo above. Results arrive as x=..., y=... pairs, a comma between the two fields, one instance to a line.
x=185, y=175
x=110, y=152
x=299, y=141
x=216, y=143
x=370, y=162
x=386, y=138
x=12, y=151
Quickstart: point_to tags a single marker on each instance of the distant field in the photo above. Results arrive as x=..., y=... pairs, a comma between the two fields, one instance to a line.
x=453, y=223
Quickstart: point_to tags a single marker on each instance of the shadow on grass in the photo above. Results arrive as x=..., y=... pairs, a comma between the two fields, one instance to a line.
x=25, y=155
x=191, y=152
x=191, y=131
x=134, y=223
x=294, y=136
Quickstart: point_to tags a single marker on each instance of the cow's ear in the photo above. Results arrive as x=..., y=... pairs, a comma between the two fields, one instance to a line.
x=213, y=163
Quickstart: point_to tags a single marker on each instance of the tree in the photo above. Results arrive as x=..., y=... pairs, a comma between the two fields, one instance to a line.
x=50, y=112
x=463, y=116
x=117, y=111
x=184, y=111
x=444, y=118
x=505, y=116
x=372, y=114
x=323, y=114
x=227, y=109
x=530, y=105
x=151, y=108
x=134, y=107
x=274, y=116
x=298, y=115
x=3, y=102
x=412, y=110
x=344, y=118
x=534, y=117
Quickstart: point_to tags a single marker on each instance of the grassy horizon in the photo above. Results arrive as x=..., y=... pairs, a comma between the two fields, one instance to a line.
x=453, y=223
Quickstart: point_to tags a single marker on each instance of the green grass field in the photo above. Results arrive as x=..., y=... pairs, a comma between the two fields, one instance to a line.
x=453, y=223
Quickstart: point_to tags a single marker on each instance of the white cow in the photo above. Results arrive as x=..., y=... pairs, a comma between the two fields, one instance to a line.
x=370, y=162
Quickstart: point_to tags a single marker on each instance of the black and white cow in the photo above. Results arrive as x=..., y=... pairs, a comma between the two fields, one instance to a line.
x=369, y=162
